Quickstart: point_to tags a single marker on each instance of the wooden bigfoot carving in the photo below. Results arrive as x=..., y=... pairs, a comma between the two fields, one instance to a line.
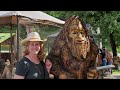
x=73, y=54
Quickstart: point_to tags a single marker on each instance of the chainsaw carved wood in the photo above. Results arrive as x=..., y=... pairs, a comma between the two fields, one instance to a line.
x=73, y=52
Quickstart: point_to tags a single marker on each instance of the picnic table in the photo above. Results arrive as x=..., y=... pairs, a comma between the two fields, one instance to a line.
x=102, y=69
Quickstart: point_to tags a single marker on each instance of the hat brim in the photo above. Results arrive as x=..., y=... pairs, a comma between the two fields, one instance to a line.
x=23, y=42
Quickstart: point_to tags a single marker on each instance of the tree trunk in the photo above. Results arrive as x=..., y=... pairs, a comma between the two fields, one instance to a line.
x=113, y=45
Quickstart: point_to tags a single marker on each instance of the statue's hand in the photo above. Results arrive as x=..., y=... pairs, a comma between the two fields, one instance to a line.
x=63, y=76
x=92, y=73
x=48, y=65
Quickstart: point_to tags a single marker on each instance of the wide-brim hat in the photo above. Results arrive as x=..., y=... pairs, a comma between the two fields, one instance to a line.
x=33, y=36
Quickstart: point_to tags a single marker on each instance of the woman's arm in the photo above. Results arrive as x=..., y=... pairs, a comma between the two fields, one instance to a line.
x=18, y=77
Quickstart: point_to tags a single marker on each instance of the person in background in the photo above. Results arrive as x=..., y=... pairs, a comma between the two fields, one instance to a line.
x=109, y=58
x=99, y=58
x=32, y=66
x=14, y=69
x=2, y=66
x=104, y=60
x=7, y=72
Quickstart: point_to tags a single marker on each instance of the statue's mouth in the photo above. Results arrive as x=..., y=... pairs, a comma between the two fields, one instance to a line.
x=79, y=41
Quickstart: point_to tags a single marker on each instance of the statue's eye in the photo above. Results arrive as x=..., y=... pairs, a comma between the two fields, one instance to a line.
x=75, y=32
x=82, y=33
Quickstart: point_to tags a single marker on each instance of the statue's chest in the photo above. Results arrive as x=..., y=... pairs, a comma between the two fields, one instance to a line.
x=74, y=64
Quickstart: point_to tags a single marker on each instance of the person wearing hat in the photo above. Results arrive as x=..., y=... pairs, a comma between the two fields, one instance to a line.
x=31, y=66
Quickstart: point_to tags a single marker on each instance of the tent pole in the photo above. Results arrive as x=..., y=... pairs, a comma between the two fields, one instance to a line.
x=11, y=46
x=18, y=51
x=0, y=52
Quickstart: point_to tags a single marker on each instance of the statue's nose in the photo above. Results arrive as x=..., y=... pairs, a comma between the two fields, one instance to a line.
x=79, y=35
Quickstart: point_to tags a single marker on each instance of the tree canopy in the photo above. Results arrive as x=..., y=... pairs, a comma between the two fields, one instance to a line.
x=108, y=21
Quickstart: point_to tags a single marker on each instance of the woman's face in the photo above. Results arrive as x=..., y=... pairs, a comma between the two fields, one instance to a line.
x=34, y=47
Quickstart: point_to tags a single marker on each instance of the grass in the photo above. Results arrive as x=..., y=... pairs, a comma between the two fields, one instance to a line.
x=5, y=47
x=116, y=71
x=118, y=49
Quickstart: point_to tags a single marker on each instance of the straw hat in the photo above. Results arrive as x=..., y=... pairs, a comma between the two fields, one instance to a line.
x=33, y=36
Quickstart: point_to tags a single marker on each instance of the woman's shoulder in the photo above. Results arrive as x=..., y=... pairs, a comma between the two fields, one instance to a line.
x=23, y=63
x=24, y=60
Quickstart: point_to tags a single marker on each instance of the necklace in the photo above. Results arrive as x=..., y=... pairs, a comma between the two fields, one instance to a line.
x=36, y=61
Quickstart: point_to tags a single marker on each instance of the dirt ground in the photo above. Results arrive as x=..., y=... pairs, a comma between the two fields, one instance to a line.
x=115, y=76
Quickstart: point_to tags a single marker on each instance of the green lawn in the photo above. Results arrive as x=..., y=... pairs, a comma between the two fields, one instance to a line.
x=116, y=71
x=118, y=49
x=4, y=36
x=5, y=47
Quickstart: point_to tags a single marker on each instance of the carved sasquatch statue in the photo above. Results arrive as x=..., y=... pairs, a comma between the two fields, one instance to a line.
x=73, y=54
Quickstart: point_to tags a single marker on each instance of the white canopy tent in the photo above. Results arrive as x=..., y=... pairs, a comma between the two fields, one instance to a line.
x=27, y=18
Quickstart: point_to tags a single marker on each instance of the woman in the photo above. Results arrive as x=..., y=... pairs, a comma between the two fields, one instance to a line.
x=32, y=65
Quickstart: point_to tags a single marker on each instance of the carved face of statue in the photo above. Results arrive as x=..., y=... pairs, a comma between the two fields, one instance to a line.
x=77, y=32
x=78, y=36
x=79, y=41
